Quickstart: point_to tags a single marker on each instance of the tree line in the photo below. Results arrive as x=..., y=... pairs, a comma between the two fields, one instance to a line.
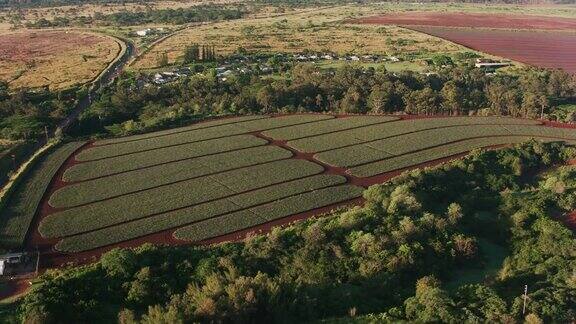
x=128, y=107
x=201, y=13
x=403, y=256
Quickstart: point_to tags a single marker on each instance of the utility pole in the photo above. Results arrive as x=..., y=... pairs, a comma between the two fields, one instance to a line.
x=525, y=297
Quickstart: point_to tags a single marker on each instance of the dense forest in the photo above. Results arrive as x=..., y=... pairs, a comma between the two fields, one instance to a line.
x=26, y=113
x=419, y=250
x=130, y=106
x=193, y=14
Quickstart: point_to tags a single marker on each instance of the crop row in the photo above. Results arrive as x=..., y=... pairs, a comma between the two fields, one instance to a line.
x=151, y=143
x=177, y=195
x=176, y=218
x=17, y=217
x=124, y=183
x=123, y=163
x=395, y=146
x=379, y=131
x=234, y=222
x=325, y=126
x=195, y=126
x=407, y=160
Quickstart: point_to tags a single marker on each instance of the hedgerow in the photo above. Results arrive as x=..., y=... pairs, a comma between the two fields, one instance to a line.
x=176, y=218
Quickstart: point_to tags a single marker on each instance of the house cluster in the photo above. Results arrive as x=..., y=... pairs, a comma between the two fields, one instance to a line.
x=149, y=31
x=490, y=64
x=349, y=58
x=171, y=76
x=9, y=263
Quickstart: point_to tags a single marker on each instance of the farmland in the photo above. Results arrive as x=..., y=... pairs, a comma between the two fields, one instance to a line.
x=229, y=175
x=535, y=40
x=319, y=30
x=58, y=59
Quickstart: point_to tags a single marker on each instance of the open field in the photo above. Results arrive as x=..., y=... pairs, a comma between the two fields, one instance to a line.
x=58, y=59
x=320, y=30
x=223, y=176
x=541, y=41
x=475, y=20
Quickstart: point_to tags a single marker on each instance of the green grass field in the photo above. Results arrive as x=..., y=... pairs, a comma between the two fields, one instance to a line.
x=223, y=176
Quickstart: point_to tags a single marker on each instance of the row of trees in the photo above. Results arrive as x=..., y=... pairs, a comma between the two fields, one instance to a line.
x=388, y=258
x=199, y=53
x=178, y=16
x=350, y=89
x=26, y=113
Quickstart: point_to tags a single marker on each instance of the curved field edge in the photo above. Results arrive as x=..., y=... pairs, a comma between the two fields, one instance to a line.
x=18, y=215
x=202, y=212
x=444, y=151
x=234, y=222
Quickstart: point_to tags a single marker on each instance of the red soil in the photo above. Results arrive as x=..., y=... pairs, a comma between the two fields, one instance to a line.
x=52, y=258
x=13, y=288
x=460, y=19
x=27, y=46
x=570, y=220
x=553, y=47
x=541, y=49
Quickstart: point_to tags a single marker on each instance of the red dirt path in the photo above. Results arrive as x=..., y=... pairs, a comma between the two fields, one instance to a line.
x=52, y=258
x=461, y=19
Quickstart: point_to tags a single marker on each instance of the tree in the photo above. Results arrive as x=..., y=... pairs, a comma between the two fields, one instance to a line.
x=452, y=96
x=192, y=54
x=119, y=262
x=162, y=59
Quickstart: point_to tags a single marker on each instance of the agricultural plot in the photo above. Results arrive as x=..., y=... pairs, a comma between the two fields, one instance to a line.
x=58, y=59
x=361, y=135
x=16, y=218
x=225, y=176
x=510, y=36
x=197, y=135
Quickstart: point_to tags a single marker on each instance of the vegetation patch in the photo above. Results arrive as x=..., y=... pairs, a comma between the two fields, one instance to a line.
x=18, y=215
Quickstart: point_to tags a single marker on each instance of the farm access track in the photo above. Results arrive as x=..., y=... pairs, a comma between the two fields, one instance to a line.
x=52, y=257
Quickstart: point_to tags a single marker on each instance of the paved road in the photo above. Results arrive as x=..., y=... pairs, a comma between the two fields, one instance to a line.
x=108, y=76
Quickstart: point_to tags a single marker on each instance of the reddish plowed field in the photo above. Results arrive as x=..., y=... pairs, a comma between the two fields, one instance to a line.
x=553, y=46
x=542, y=49
x=460, y=19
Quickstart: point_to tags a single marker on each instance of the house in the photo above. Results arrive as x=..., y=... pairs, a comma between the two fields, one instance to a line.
x=10, y=260
x=394, y=59
x=143, y=32
x=354, y=58
x=491, y=65
x=327, y=57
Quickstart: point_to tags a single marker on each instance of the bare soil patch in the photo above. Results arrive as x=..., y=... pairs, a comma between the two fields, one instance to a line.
x=58, y=59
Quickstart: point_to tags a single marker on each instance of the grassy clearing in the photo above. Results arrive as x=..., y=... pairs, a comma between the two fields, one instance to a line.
x=262, y=214
x=375, y=132
x=58, y=59
x=319, y=30
x=407, y=160
x=106, y=151
x=18, y=215
x=132, y=181
x=200, y=212
x=123, y=163
x=325, y=126
x=178, y=195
